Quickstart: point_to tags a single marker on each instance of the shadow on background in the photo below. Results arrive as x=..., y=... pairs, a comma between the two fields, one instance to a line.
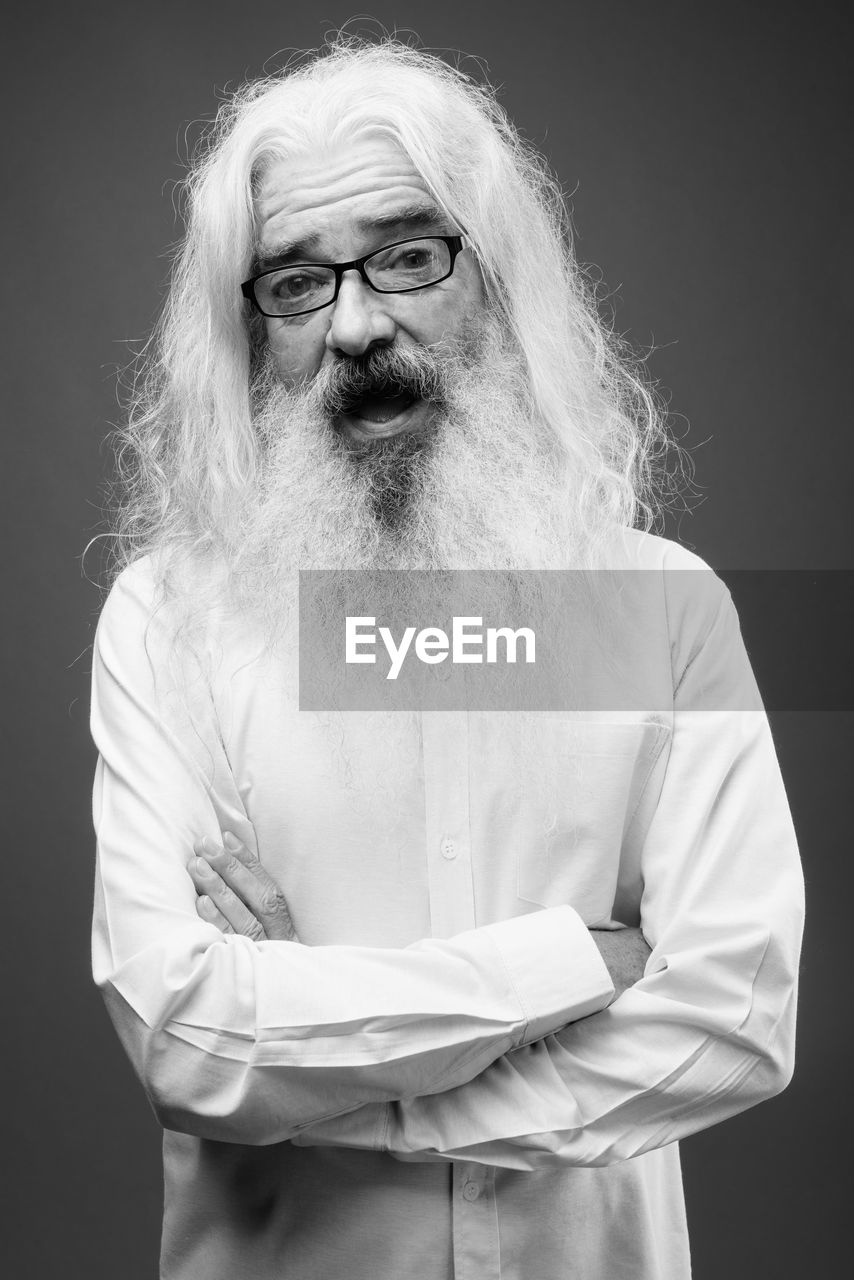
x=704, y=150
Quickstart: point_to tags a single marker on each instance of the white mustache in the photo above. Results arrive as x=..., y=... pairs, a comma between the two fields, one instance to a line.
x=416, y=372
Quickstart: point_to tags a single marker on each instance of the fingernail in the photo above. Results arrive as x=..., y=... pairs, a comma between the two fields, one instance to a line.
x=201, y=867
x=204, y=904
x=209, y=846
x=230, y=841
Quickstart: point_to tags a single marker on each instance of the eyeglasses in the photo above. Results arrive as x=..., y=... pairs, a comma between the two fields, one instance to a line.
x=402, y=267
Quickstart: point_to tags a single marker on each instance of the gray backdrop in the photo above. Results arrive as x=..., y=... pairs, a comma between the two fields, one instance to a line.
x=704, y=150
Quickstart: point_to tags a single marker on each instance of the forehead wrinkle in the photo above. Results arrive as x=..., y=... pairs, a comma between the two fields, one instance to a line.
x=301, y=201
x=313, y=212
x=321, y=174
x=420, y=216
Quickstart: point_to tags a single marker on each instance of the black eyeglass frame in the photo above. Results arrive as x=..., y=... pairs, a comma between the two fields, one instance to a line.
x=454, y=243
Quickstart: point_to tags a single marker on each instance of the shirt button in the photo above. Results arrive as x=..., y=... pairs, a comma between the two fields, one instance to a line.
x=449, y=849
x=471, y=1191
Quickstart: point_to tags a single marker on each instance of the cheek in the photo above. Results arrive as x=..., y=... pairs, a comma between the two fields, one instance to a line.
x=296, y=347
x=430, y=317
x=464, y=305
x=474, y=288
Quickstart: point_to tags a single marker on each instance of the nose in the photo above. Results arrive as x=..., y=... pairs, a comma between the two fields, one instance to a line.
x=360, y=318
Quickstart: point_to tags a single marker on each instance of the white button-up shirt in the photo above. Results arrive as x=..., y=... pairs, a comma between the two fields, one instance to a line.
x=436, y=1080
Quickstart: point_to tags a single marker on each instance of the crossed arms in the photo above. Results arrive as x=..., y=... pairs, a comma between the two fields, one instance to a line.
x=238, y=895
x=505, y=1044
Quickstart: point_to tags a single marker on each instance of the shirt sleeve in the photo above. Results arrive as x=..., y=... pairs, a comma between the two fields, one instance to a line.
x=242, y=1041
x=709, y=1030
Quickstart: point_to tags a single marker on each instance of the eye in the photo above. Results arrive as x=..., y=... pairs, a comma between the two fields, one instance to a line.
x=417, y=257
x=296, y=284
x=411, y=257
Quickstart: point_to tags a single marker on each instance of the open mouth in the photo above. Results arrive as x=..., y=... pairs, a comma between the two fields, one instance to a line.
x=379, y=404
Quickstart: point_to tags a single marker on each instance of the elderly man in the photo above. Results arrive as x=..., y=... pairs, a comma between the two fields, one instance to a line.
x=417, y=993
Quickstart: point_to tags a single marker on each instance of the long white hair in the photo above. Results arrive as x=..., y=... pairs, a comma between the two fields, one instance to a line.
x=188, y=453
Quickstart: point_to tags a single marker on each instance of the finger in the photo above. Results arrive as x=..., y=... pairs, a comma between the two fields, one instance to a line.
x=229, y=867
x=211, y=914
x=209, y=884
x=245, y=875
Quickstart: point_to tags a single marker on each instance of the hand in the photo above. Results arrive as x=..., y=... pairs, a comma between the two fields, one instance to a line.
x=236, y=893
x=625, y=952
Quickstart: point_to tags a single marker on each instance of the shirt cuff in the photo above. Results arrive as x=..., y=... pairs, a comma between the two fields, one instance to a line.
x=555, y=967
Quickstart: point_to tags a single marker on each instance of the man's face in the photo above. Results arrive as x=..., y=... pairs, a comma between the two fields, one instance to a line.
x=461, y=477
x=337, y=206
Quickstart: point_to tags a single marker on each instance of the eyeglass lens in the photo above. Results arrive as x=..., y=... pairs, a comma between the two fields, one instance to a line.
x=397, y=269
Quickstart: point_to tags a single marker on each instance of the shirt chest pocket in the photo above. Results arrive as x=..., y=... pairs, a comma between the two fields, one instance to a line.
x=579, y=787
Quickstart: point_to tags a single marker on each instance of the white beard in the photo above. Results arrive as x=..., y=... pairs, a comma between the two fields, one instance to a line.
x=482, y=488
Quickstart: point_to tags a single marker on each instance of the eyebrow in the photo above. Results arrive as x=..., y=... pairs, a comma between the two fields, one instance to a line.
x=412, y=217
